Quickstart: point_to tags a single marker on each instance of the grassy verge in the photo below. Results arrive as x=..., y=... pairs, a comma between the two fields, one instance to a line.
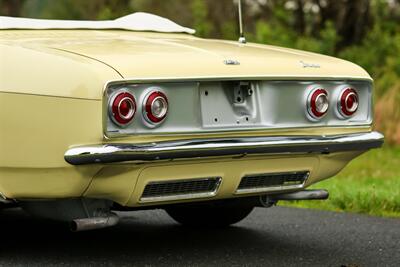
x=370, y=184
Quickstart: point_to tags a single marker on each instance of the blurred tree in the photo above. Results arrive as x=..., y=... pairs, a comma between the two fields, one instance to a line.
x=352, y=18
x=200, y=20
x=11, y=7
x=69, y=9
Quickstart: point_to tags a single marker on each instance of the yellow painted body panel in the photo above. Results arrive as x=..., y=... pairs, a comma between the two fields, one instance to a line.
x=45, y=71
x=125, y=183
x=232, y=170
x=51, y=88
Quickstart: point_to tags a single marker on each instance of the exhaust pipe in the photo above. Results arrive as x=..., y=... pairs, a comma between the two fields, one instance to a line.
x=267, y=201
x=86, y=224
x=5, y=200
x=303, y=195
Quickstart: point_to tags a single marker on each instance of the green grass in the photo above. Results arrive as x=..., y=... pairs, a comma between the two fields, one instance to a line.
x=370, y=184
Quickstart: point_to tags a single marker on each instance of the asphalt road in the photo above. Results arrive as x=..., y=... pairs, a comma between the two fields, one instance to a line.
x=268, y=237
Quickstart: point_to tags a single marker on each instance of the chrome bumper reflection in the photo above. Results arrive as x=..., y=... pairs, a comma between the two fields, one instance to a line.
x=199, y=148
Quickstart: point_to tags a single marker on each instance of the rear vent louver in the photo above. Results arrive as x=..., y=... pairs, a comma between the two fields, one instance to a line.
x=182, y=189
x=272, y=181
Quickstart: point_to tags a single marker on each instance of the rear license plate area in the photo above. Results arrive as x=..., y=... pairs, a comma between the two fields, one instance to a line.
x=229, y=105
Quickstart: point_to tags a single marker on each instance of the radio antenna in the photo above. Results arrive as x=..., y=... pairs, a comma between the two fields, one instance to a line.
x=242, y=39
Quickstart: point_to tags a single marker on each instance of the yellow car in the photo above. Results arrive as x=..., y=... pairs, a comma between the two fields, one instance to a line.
x=138, y=113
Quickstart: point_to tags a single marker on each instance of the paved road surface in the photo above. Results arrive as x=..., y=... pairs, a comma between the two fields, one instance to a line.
x=269, y=237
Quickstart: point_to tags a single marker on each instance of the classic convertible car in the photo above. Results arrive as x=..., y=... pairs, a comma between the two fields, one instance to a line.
x=138, y=113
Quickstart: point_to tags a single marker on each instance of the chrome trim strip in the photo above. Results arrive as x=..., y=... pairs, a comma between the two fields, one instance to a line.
x=268, y=189
x=200, y=148
x=358, y=127
x=182, y=196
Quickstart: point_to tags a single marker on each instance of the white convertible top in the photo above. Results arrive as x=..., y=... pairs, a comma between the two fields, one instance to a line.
x=139, y=21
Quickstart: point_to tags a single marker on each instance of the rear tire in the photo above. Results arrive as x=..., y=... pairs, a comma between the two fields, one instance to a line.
x=210, y=215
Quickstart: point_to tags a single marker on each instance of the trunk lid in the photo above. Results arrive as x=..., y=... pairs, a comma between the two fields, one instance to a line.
x=153, y=55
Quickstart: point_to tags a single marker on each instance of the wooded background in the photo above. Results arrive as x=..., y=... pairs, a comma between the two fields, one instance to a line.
x=366, y=32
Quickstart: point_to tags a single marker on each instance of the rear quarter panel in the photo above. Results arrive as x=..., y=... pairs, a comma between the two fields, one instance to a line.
x=49, y=100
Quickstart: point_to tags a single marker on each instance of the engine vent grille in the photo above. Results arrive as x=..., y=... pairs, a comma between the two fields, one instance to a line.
x=272, y=182
x=180, y=189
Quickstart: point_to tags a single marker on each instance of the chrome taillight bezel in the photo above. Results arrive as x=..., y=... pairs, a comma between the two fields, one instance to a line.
x=150, y=118
x=114, y=112
x=343, y=110
x=312, y=113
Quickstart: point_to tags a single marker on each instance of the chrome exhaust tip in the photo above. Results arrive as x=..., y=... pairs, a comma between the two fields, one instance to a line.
x=267, y=201
x=86, y=224
x=317, y=194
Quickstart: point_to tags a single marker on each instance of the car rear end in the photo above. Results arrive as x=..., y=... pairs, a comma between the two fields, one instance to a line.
x=178, y=140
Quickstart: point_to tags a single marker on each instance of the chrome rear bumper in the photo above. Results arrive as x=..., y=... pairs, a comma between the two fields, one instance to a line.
x=199, y=148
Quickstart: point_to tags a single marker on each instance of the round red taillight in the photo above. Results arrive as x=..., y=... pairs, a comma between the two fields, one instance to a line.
x=155, y=107
x=348, y=102
x=318, y=103
x=122, y=108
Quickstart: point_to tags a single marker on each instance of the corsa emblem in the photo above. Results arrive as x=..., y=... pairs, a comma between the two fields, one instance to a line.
x=309, y=65
x=231, y=62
